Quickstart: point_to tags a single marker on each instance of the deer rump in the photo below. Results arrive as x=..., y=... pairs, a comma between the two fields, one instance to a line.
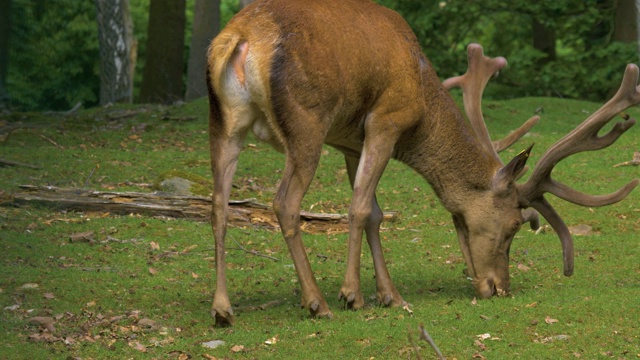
x=351, y=74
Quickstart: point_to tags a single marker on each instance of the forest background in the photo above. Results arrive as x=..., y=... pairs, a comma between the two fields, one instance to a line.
x=50, y=51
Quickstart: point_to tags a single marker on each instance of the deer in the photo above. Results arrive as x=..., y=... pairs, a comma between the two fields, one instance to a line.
x=351, y=74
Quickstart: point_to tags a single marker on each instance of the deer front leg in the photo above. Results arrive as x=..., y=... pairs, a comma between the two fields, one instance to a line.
x=298, y=173
x=224, y=160
x=386, y=291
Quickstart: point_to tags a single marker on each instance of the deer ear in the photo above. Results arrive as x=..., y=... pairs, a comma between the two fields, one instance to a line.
x=507, y=175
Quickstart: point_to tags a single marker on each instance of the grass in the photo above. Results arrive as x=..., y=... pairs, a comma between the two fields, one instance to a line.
x=162, y=269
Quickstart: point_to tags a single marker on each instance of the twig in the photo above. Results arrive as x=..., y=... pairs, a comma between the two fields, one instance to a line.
x=52, y=142
x=253, y=252
x=634, y=162
x=86, y=182
x=15, y=163
x=264, y=306
x=73, y=109
x=413, y=344
x=424, y=335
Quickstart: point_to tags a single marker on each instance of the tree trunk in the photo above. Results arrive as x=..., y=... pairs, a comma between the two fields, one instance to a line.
x=544, y=39
x=206, y=24
x=163, y=69
x=115, y=32
x=5, y=36
x=638, y=25
x=625, y=26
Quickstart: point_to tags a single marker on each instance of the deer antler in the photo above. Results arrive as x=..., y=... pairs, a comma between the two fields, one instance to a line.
x=473, y=82
x=583, y=138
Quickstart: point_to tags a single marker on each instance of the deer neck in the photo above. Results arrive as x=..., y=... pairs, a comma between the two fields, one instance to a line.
x=446, y=152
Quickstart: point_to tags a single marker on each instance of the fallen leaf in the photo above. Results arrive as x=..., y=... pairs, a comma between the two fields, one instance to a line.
x=154, y=245
x=213, y=344
x=581, y=230
x=44, y=321
x=29, y=286
x=480, y=345
x=194, y=275
x=272, y=341
x=237, y=348
x=12, y=307
x=153, y=271
x=474, y=302
x=147, y=323
x=484, y=336
x=406, y=308
x=49, y=296
x=550, y=321
x=91, y=304
x=209, y=357
x=532, y=305
x=86, y=236
x=136, y=345
x=523, y=267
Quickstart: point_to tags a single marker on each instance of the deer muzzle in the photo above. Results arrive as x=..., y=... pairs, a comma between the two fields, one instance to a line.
x=491, y=285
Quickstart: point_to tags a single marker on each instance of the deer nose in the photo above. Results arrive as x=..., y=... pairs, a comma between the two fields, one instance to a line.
x=486, y=288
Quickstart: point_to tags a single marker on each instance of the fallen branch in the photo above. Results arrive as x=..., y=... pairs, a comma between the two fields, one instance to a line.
x=15, y=163
x=253, y=252
x=52, y=142
x=264, y=306
x=241, y=212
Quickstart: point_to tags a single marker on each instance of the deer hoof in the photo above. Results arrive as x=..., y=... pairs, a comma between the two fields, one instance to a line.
x=352, y=300
x=320, y=309
x=223, y=317
x=391, y=299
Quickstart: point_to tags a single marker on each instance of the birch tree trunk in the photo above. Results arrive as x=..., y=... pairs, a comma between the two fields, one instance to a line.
x=115, y=32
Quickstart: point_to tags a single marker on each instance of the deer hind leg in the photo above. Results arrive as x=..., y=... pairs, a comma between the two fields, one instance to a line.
x=225, y=148
x=386, y=291
x=300, y=166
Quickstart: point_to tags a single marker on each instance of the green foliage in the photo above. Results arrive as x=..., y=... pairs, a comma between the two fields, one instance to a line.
x=54, y=57
x=52, y=62
x=586, y=57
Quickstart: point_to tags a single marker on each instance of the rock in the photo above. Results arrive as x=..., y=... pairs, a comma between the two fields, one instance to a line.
x=178, y=186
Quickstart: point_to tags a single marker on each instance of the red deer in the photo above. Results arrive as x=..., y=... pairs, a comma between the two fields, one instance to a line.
x=351, y=74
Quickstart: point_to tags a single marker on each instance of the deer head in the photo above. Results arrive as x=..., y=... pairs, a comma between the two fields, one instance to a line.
x=301, y=74
x=493, y=277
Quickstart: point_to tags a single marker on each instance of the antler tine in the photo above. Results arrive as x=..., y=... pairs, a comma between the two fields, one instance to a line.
x=554, y=219
x=515, y=135
x=584, y=138
x=481, y=70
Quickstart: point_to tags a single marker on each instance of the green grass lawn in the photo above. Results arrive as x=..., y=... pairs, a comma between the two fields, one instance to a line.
x=142, y=288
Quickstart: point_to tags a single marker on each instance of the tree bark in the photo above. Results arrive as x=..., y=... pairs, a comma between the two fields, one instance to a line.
x=625, y=27
x=115, y=32
x=544, y=39
x=5, y=37
x=241, y=212
x=206, y=24
x=163, y=69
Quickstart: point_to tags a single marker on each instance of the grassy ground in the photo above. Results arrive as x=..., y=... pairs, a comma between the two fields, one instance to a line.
x=142, y=287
